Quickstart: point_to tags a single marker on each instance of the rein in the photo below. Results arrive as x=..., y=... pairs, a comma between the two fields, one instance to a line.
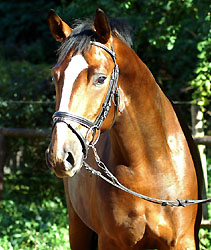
x=112, y=95
x=111, y=179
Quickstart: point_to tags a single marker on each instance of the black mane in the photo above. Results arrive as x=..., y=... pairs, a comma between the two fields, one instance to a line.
x=83, y=33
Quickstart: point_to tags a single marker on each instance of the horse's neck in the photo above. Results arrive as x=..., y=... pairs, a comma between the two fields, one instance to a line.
x=143, y=131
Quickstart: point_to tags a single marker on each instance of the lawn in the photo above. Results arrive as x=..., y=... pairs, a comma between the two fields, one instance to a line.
x=33, y=213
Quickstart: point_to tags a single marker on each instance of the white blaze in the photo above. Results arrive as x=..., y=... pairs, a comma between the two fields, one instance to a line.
x=76, y=65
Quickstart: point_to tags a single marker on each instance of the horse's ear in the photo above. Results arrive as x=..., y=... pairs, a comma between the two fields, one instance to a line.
x=59, y=29
x=102, y=26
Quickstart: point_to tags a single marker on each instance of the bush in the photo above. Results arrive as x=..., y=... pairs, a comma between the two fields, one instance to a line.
x=26, y=92
x=27, y=101
x=24, y=30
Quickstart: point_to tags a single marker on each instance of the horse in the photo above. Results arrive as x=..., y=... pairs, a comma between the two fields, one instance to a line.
x=103, y=86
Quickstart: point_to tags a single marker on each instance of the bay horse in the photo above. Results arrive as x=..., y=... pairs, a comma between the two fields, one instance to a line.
x=103, y=86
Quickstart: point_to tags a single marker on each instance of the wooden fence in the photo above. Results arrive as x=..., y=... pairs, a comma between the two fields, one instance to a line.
x=16, y=132
x=43, y=133
x=197, y=131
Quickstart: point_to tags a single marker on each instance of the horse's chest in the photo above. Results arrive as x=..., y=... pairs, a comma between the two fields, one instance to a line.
x=120, y=214
x=133, y=221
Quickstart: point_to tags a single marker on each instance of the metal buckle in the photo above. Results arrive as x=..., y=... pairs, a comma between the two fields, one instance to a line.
x=93, y=130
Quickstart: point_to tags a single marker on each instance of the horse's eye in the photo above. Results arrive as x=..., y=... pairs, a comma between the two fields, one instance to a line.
x=99, y=80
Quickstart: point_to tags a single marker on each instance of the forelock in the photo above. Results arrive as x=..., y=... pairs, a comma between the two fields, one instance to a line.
x=83, y=33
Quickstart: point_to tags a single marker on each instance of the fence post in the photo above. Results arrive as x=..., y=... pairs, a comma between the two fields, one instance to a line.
x=198, y=131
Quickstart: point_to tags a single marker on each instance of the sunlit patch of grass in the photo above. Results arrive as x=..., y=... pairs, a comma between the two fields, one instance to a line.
x=33, y=214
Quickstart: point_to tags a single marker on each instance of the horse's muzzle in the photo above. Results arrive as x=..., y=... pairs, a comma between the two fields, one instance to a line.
x=66, y=167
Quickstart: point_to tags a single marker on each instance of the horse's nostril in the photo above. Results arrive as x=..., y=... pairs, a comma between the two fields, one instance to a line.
x=70, y=159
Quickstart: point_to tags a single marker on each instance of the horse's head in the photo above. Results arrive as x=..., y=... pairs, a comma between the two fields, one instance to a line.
x=86, y=83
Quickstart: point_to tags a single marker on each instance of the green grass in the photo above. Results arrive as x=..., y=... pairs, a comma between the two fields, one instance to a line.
x=205, y=234
x=205, y=239
x=33, y=214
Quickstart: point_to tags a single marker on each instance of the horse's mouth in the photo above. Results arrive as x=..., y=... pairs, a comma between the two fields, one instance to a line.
x=64, y=173
x=66, y=168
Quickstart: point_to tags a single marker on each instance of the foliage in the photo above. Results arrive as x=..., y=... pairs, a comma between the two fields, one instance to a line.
x=202, y=81
x=26, y=101
x=25, y=34
x=205, y=234
x=172, y=37
x=205, y=239
x=24, y=87
x=33, y=214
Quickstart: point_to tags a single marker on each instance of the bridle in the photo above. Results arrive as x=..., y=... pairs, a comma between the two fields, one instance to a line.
x=93, y=127
x=112, y=95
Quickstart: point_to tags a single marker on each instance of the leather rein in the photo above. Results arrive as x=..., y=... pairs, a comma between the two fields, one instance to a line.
x=112, y=95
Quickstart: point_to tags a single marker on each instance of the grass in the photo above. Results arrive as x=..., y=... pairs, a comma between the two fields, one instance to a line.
x=33, y=213
x=205, y=234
